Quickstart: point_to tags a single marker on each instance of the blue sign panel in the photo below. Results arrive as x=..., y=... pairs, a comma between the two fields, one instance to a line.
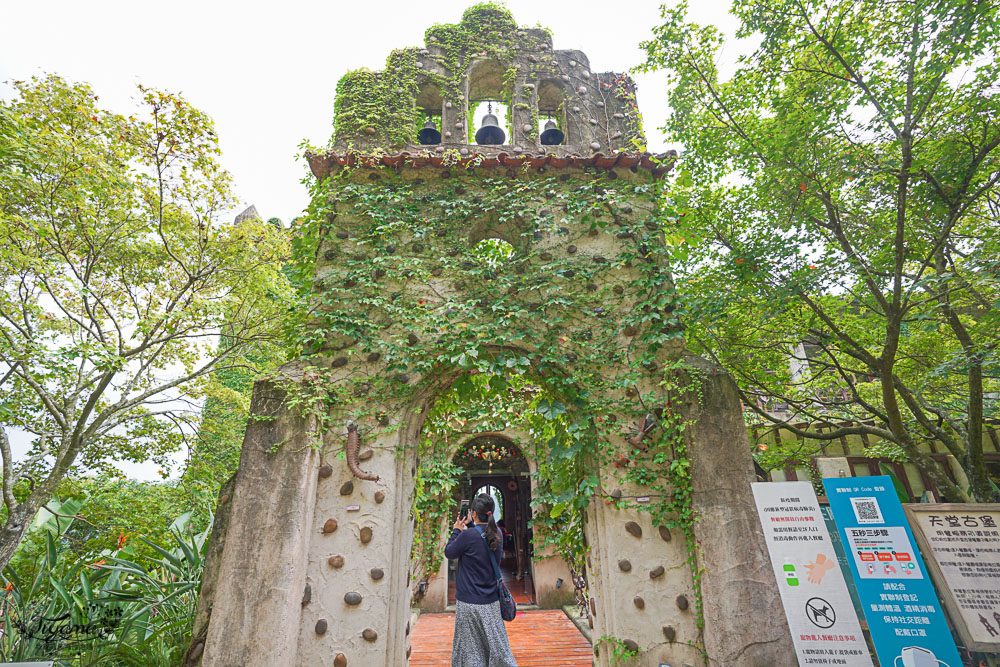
x=904, y=616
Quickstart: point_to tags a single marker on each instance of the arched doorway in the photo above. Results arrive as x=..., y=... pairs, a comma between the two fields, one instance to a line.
x=495, y=465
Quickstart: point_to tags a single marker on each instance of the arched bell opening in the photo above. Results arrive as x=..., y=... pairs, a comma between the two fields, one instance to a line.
x=429, y=104
x=552, y=117
x=489, y=104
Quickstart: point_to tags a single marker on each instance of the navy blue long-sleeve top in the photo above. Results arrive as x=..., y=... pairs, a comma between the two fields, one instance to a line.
x=475, y=581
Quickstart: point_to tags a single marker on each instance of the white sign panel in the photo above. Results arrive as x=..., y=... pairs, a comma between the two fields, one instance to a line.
x=821, y=617
x=961, y=545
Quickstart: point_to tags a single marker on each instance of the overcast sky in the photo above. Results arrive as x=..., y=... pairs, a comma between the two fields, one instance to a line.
x=266, y=72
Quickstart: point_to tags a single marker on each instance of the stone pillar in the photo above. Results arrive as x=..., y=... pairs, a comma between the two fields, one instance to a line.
x=737, y=579
x=262, y=574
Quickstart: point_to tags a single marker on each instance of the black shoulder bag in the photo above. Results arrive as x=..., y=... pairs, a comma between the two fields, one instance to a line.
x=508, y=609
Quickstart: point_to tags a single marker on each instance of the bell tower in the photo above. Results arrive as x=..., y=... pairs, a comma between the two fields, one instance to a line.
x=489, y=133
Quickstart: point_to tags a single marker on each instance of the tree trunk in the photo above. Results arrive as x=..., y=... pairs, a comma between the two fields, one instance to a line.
x=14, y=528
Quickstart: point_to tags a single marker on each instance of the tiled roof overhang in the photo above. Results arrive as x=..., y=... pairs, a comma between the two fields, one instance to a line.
x=656, y=164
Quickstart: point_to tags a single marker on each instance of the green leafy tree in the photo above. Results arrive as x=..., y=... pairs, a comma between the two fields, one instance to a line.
x=836, y=203
x=118, y=279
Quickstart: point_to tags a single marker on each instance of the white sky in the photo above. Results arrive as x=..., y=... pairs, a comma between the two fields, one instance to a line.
x=266, y=72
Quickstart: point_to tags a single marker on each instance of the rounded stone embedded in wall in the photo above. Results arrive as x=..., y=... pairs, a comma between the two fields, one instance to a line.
x=336, y=562
x=669, y=633
x=379, y=496
x=616, y=494
x=366, y=535
x=412, y=339
x=325, y=471
x=373, y=357
x=338, y=362
x=631, y=645
x=330, y=526
x=656, y=572
x=625, y=565
x=365, y=455
x=682, y=602
x=352, y=598
x=369, y=634
x=340, y=660
x=377, y=573
x=348, y=488
x=630, y=330
x=321, y=626
x=633, y=529
x=665, y=533
x=571, y=249
x=639, y=602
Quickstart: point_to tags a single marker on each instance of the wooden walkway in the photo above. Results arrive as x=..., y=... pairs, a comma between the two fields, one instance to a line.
x=543, y=637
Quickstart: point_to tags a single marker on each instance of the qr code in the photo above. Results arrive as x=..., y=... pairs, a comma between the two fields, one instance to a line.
x=867, y=510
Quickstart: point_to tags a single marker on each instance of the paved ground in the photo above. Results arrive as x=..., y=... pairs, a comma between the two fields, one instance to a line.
x=542, y=637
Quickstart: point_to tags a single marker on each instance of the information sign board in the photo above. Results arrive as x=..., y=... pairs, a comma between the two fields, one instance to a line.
x=821, y=616
x=904, y=616
x=962, y=546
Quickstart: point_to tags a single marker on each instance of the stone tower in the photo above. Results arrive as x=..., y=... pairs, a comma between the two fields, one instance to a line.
x=310, y=559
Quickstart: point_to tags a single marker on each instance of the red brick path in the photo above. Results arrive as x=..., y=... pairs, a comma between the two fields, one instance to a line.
x=543, y=637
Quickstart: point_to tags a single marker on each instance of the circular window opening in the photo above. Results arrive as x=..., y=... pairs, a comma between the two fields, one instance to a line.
x=492, y=252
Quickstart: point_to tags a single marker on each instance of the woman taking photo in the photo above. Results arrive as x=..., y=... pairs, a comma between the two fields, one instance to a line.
x=480, y=635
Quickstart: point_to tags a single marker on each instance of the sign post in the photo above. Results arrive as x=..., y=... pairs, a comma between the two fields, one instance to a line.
x=904, y=616
x=962, y=546
x=824, y=627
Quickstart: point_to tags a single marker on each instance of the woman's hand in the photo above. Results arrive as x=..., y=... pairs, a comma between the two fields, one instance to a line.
x=460, y=523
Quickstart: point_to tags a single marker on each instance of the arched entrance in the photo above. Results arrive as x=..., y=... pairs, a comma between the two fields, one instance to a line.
x=493, y=464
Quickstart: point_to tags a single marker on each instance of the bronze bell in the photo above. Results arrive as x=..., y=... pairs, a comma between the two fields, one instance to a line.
x=552, y=136
x=490, y=133
x=429, y=134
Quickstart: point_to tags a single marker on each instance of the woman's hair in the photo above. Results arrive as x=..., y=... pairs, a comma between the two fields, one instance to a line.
x=483, y=506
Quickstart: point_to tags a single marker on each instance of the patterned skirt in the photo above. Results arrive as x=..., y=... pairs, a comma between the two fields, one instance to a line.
x=480, y=637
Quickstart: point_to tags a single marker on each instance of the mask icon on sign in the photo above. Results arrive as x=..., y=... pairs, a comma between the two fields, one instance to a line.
x=914, y=656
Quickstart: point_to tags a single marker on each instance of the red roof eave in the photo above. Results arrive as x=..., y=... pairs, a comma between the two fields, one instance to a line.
x=658, y=165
